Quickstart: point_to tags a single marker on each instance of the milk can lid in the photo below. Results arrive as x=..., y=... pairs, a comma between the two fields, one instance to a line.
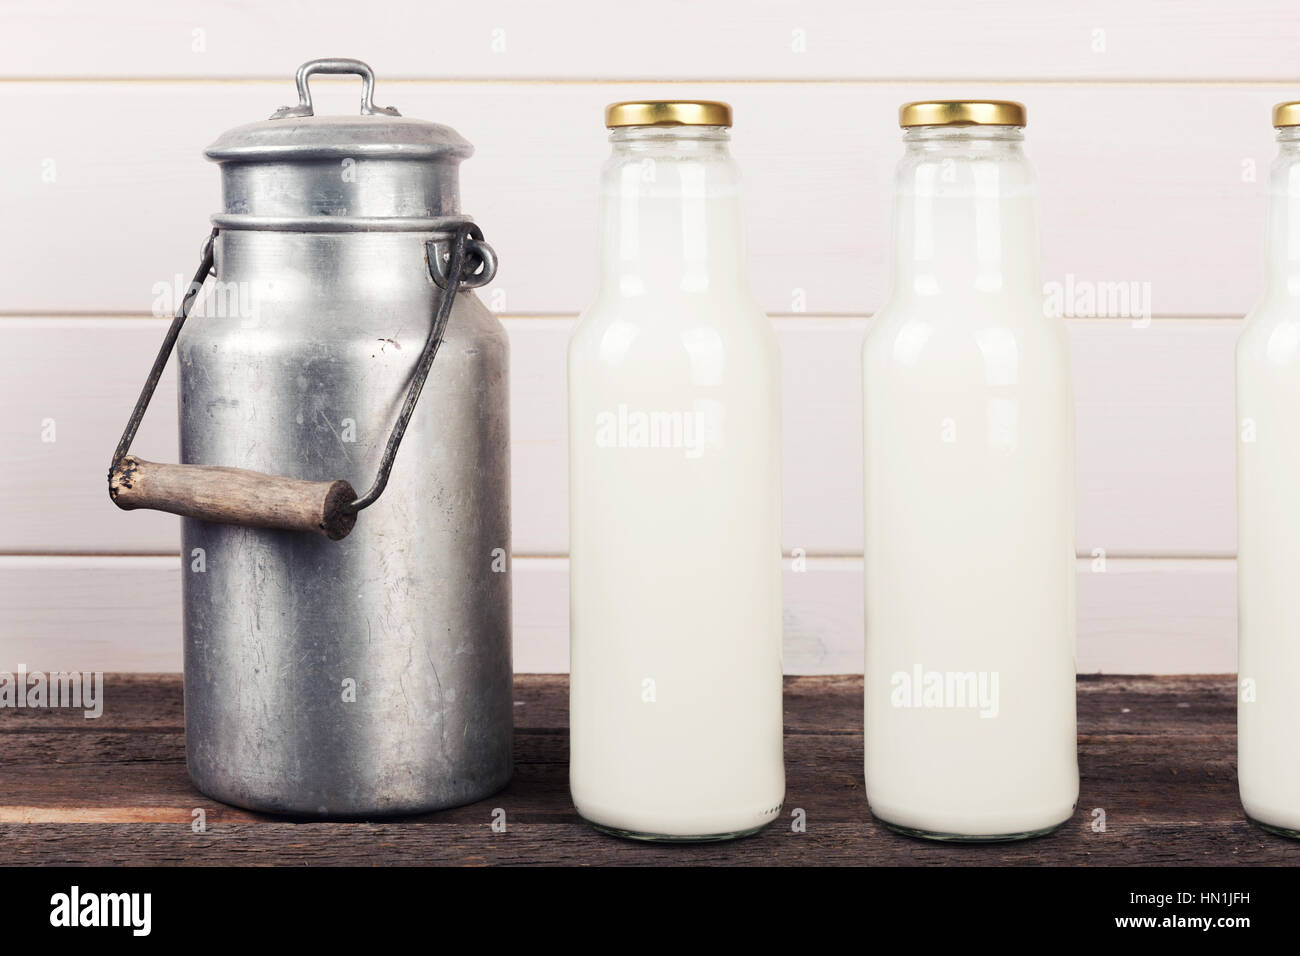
x=296, y=133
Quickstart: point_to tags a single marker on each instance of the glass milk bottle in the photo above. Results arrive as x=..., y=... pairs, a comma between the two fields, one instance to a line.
x=674, y=489
x=1268, y=513
x=969, y=487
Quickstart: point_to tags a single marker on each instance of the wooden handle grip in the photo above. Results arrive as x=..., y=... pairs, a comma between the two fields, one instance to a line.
x=234, y=496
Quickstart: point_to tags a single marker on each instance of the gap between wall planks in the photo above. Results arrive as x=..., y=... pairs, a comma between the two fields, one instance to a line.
x=96, y=613
x=1154, y=406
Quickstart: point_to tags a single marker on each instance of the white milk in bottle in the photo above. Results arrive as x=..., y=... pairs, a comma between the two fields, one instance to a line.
x=674, y=475
x=969, y=485
x=1268, y=513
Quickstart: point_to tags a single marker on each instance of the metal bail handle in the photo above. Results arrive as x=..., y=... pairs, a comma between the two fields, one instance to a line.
x=255, y=500
x=470, y=263
x=335, y=65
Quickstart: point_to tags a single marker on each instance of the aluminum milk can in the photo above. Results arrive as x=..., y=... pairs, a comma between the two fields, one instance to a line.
x=347, y=652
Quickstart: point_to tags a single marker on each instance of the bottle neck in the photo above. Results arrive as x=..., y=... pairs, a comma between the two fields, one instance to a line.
x=1283, y=246
x=670, y=216
x=965, y=215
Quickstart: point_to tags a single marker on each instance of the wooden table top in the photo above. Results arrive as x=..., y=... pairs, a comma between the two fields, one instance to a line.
x=1157, y=754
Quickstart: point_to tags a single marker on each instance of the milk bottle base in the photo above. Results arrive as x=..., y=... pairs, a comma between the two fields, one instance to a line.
x=951, y=836
x=1276, y=831
x=667, y=828
x=942, y=837
x=678, y=838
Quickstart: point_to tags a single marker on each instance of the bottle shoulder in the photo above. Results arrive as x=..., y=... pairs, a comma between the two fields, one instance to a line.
x=941, y=327
x=1020, y=354
x=651, y=320
x=609, y=336
x=1270, y=332
x=1273, y=310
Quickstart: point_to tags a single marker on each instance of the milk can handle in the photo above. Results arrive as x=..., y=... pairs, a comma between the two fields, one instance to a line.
x=256, y=500
x=334, y=65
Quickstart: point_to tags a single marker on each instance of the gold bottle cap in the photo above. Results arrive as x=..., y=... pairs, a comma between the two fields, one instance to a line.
x=962, y=113
x=668, y=113
x=1287, y=114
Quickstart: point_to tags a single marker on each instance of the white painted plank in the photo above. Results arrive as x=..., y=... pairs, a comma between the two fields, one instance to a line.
x=1158, y=617
x=67, y=388
x=90, y=614
x=1155, y=437
x=1134, y=617
x=1154, y=410
x=793, y=39
x=1138, y=183
x=123, y=614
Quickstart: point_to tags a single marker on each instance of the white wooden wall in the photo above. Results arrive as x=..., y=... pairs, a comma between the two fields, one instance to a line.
x=1148, y=122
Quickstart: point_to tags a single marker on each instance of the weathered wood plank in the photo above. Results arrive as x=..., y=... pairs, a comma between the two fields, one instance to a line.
x=1150, y=778
x=569, y=843
x=824, y=704
x=1157, y=754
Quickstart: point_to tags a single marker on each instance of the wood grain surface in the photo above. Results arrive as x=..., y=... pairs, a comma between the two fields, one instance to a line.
x=234, y=496
x=1157, y=754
